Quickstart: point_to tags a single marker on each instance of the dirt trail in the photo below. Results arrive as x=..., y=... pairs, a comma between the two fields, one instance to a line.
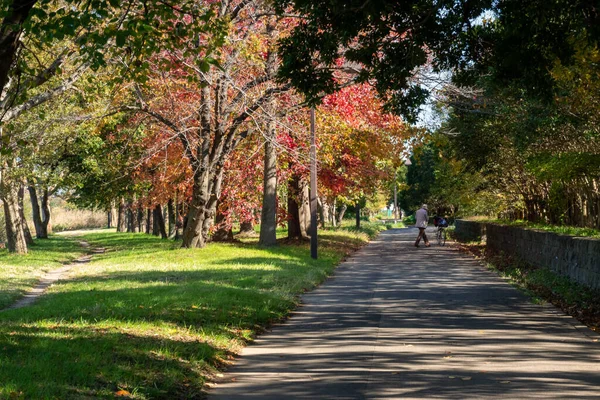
x=52, y=276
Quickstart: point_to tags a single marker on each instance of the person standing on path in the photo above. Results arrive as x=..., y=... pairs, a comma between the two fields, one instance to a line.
x=421, y=217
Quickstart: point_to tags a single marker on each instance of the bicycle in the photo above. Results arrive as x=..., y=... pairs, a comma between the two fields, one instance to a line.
x=440, y=235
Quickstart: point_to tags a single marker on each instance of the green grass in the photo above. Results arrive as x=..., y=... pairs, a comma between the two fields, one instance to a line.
x=20, y=273
x=154, y=320
x=560, y=229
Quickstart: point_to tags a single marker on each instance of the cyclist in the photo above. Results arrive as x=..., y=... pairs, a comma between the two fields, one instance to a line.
x=441, y=223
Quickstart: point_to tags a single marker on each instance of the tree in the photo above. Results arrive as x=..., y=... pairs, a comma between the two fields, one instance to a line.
x=224, y=103
x=385, y=41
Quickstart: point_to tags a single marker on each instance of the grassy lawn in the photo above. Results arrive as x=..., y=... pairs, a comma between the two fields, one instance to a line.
x=20, y=273
x=560, y=229
x=148, y=320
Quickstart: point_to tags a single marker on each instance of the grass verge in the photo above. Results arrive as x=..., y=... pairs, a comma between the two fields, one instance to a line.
x=541, y=284
x=18, y=274
x=560, y=229
x=148, y=320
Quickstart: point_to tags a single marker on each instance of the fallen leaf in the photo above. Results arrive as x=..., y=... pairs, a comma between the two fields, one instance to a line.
x=220, y=375
x=194, y=306
x=451, y=377
x=122, y=393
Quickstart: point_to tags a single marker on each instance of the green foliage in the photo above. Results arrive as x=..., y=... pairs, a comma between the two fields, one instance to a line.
x=136, y=30
x=390, y=39
x=523, y=119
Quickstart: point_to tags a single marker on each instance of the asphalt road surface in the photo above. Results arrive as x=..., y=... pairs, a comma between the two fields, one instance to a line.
x=400, y=322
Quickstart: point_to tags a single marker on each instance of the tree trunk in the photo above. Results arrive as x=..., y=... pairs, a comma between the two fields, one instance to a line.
x=112, y=216
x=149, y=221
x=171, y=216
x=46, y=215
x=15, y=14
x=323, y=212
x=340, y=215
x=14, y=227
x=159, y=222
x=333, y=215
x=246, y=228
x=357, y=216
x=202, y=210
x=139, y=223
x=179, y=221
x=122, y=219
x=304, y=210
x=26, y=231
x=223, y=233
x=268, y=218
x=130, y=218
x=294, y=231
x=41, y=214
x=37, y=218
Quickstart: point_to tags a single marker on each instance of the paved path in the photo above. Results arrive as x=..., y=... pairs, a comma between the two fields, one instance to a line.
x=401, y=322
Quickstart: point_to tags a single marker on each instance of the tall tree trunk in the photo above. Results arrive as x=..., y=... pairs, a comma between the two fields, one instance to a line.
x=193, y=233
x=140, y=220
x=130, y=218
x=171, y=216
x=179, y=222
x=26, y=231
x=333, y=214
x=357, y=215
x=323, y=212
x=223, y=233
x=304, y=211
x=149, y=221
x=268, y=219
x=294, y=231
x=122, y=219
x=202, y=210
x=46, y=215
x=246, y=228
x=340, y=215
x=159, y=222
x=14, y=227
x=37, y=218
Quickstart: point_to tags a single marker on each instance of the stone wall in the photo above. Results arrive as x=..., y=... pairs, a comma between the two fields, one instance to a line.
x=575, y=257
x=469, y=231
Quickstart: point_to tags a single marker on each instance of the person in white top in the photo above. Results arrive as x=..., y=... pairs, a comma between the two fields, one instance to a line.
x=422, y=218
